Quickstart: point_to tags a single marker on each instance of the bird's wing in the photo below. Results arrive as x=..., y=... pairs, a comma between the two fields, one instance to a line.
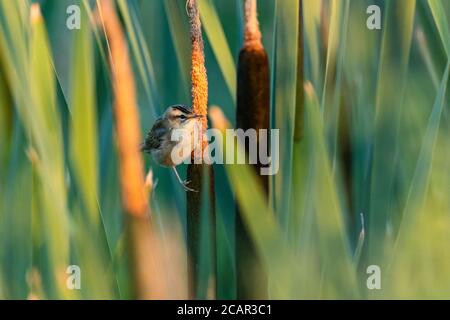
x=154, y=137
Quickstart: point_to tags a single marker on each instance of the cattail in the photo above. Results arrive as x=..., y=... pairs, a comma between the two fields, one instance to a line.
x=253, y=112
x=144, y=263
x=196, y=172
x=199, y=78
x=253, y=92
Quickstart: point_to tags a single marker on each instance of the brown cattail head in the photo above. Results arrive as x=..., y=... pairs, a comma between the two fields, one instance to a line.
x=253, y=82
x=198, y=71
x=126, y=115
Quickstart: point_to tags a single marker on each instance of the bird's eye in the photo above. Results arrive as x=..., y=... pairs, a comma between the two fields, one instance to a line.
x=182, y=117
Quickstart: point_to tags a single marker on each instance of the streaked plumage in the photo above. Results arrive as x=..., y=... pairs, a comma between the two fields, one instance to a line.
x=158, y=141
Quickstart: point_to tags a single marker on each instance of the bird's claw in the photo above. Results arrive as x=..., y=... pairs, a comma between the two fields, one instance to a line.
x=185, y=183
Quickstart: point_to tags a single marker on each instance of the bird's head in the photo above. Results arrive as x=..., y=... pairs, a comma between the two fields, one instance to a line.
x=181, y=117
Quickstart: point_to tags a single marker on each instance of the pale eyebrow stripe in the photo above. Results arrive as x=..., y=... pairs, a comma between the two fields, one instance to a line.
x=182, y=108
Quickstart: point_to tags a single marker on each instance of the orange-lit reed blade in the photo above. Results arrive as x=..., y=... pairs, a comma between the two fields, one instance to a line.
x=134, y=197
x=144, y=251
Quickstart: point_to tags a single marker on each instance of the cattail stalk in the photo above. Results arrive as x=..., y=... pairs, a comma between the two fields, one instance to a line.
x=253, y=112
x=133, y=190
x=300, y=92
x=196, y=172
x=297, y=178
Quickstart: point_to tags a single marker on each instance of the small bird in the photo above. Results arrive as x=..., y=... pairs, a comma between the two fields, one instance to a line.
x=158, y=141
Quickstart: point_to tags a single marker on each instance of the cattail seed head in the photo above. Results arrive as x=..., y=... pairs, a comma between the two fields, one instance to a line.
x=199, y=78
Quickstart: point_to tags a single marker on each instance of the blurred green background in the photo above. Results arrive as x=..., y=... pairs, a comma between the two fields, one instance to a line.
x=367, y=185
